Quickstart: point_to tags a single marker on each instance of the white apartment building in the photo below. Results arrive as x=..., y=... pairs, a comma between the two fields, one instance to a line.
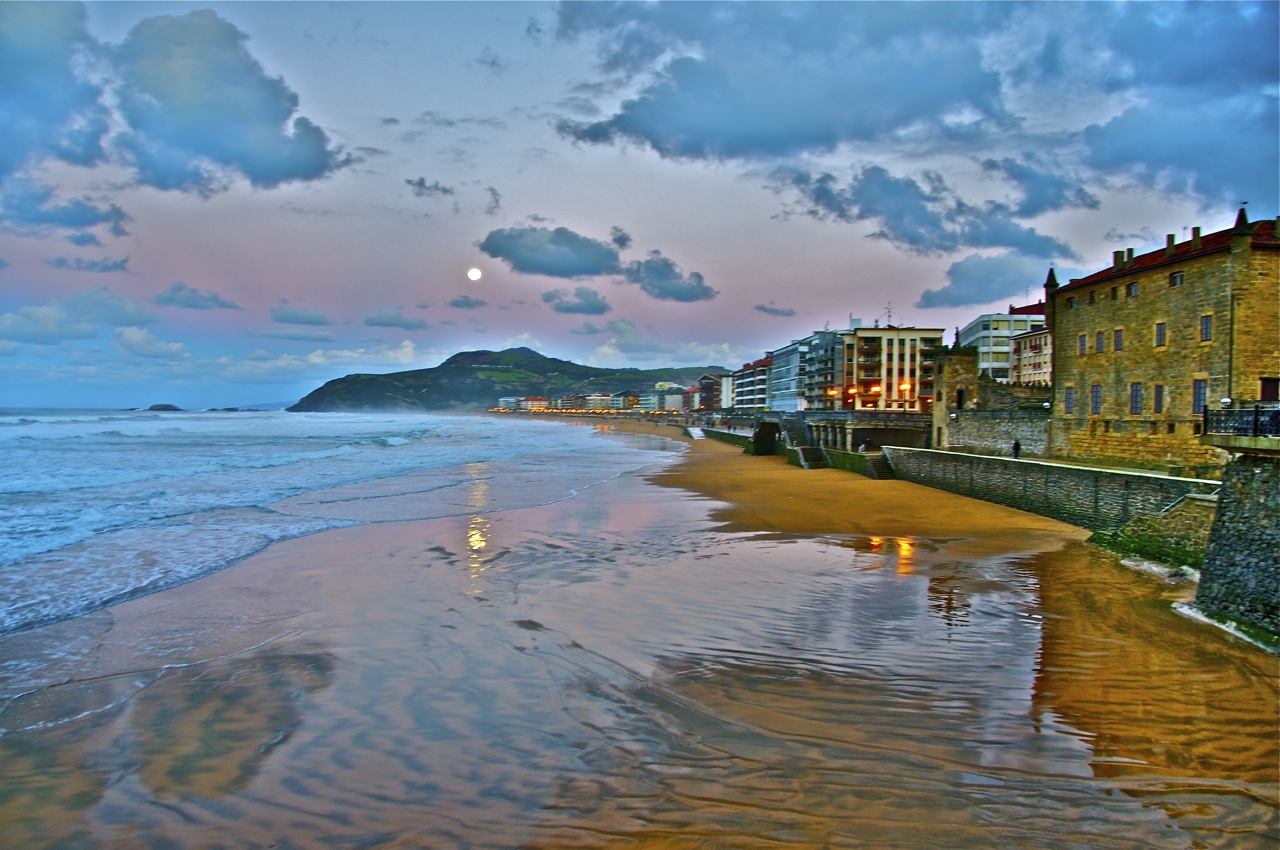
x=992, y=335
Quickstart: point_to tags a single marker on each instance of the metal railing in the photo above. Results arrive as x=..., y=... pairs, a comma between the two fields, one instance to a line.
x=1260, y=420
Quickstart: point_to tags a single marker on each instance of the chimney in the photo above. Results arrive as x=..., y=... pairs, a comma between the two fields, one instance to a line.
x=1128, y=258
x=1168, y=245
x=1117, y=260
x=1195, y=239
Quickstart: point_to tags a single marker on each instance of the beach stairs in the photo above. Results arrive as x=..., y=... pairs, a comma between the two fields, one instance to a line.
x=878, y=466
x=799, y=441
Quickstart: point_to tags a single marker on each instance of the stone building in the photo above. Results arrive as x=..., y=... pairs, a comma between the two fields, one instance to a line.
x=1141, y=348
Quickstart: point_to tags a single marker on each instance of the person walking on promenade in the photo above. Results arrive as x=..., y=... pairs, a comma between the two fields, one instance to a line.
x=1017, y=449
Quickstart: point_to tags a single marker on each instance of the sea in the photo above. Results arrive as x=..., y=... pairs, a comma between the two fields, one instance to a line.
x=100, y=506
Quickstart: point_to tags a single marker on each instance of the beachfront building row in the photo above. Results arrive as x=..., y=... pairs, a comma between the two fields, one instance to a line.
x=858, y=368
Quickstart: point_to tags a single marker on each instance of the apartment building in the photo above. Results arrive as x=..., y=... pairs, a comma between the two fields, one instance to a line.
x=751, y=385
x=992, y=335
x=1142, y=347
x=787, y=376
x=887, y=368
x=1031, y=360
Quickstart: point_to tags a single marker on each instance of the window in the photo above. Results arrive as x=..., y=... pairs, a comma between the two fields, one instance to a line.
x=1093, y=296
x=1114, y=291
x=1100, y=342
x=1199, y=391
x=1175, y=279
x=1135, y=398
x=1071, y=303
x=1160, y=335
x=1131, y=290
x=1095, y=399
x=1118, y=343
x=1206, y=328
x=1069, y=400
x=1157, y=398
x=1083, y=344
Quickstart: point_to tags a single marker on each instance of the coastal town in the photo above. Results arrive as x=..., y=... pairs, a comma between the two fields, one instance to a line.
x=1120, y=367
x=1125, y=401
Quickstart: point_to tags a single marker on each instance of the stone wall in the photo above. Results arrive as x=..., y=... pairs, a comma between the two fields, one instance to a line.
x=1241, y=573
x=994, y=433
x=1097, y=499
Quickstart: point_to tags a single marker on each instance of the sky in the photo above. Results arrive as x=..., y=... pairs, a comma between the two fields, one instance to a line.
x=228, y=204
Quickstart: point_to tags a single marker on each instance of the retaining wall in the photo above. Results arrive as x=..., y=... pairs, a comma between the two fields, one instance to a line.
x=1097, y=499
x=1241, y=573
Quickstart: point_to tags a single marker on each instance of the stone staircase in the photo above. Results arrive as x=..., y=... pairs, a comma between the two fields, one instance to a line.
x=878, y=466
x=798, y=438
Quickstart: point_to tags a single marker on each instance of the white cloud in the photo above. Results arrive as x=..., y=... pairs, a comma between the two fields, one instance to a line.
x=139, y=342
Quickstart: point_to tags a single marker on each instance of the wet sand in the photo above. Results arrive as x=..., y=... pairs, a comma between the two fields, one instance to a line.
x=723, y=652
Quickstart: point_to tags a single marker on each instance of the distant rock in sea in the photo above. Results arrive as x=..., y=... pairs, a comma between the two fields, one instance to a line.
x=166, y=408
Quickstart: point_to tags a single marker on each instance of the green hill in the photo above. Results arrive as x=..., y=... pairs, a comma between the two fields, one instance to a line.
x=477, y=379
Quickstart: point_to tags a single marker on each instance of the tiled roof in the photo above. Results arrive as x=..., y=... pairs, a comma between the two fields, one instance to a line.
x=1263, y=235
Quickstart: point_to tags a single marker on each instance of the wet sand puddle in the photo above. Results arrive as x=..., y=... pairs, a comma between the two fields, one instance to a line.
x=613, y=671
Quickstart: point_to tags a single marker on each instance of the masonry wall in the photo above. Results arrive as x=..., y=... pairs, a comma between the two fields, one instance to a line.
x=1100, y=500
x=994, y=433
x=1241, y=573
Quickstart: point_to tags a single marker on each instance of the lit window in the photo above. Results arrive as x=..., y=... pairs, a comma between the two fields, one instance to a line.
x=1160, y=337
x=1157, y=399
x=1095, y=399
x=1135, y=398
x=1118, y=342
x=1175, y=279
x=1206, y=328
x=1199, y=392
x=1069, y=400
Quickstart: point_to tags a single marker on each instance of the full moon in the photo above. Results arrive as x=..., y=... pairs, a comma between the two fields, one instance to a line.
x=473, y=274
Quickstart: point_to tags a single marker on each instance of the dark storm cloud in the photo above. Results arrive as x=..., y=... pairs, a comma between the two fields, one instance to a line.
x=769, y=79
x=1042, y=190
x=51, y=109
x=422, y=189
x=80, y=264
x=585, y=300
x=181, y=295
x=26, y=205
x=554, y=253
x=661, y=278
x=495, y=201
x=286, y=315
x=191, y=93
x=921, y=216
x=979, y=279
x=393, y=317
x=1195, y=83
x=770, y=310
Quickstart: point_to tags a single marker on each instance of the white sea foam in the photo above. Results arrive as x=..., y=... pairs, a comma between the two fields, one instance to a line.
x=97, y=507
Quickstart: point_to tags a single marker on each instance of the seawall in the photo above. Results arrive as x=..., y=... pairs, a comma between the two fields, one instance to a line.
x=1241, y=574
x=1097, y=499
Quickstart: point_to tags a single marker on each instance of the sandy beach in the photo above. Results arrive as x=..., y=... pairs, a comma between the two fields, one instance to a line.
x=723, y=651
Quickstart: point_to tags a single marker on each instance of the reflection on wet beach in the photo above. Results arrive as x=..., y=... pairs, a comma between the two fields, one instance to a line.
x=643, y=668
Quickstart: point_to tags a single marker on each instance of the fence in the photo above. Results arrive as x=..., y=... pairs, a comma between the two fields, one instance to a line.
x=1258, y=421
